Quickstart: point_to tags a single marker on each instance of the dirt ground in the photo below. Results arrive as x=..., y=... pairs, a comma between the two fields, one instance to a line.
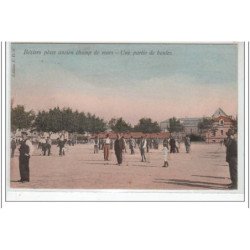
x=204, y=168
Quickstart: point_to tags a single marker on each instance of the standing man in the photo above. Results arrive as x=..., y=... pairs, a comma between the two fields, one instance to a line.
x=13, y=147
x=231, y=158
x=148, y=144
x=26, y=150
x=119, y=147
x=96, y=145
x=172, y=145
x=143, y=147
x=48, y=145
x=43, y=145
x=124, y=143
x=60, y=144
x=106, y=148
x=132, y=145
x=176, y=145
x=187, y=144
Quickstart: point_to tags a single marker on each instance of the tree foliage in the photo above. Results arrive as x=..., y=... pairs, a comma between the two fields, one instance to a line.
x=146, y=125
x=175, y=125
x=119, y=125
x=57, y=119
x=234, y=125
x=21, y=119
x=205, y=124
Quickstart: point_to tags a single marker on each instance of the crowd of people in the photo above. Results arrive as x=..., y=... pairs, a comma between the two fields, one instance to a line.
x=120, y=145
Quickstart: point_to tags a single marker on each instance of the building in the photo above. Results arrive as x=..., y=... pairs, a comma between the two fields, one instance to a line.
x=219, y=112
x=164, y=125
x=221, y=123
x=190, y=125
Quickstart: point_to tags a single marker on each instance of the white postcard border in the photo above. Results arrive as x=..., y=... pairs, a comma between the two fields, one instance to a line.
x=133, y=195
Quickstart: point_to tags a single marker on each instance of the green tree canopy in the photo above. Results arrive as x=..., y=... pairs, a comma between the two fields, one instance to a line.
x=57, y=119
x=205, y=124
x=146, y=125
x=21, y=119
x=175, y=125
x=119, y=125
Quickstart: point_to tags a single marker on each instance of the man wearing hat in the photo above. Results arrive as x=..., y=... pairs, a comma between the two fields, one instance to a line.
x=13, y=147
x=143, y=147
x=25, y=150
x=231, y=158
x=119, y=147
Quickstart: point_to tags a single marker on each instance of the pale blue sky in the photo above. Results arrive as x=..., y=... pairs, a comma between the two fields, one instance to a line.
x=186, y=73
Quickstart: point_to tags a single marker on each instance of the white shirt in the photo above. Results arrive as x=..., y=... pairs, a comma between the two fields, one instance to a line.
x=144, y=145
x=29, y=144
x=107, y=141
x=42, y=140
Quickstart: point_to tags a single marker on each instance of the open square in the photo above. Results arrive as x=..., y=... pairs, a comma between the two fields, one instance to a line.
x=204, y=168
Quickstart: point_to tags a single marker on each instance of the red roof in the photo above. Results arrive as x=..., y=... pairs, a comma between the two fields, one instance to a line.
x=224, y=118
x=135, y=135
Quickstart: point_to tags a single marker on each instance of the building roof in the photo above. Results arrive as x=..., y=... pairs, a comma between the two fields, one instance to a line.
x=219, y=112
x=224, y=118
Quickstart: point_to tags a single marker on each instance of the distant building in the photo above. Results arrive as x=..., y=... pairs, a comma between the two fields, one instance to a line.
x=190, y=125
x=221, y=123
x=164, y=125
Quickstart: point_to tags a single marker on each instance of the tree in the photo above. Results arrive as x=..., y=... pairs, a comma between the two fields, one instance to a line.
x=175, y=125
x=21, y=119
x=112, y=123
x=56, y=120
x=119, y=125
x=205, y=124
x=234, y=125
x=146, y=125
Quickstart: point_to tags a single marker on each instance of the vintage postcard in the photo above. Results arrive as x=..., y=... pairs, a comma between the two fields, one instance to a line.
x=125, y=121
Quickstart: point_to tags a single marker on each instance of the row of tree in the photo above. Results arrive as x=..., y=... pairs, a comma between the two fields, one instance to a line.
x=57, y=119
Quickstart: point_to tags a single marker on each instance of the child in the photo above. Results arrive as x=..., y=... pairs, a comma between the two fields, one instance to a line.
x=165, y=154
x=96, y=145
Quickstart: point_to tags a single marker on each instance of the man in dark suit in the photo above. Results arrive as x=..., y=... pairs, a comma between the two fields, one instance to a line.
x=231, y=158
x=119, y=147
x=25, y=150
x=143, y=147
x=172, y=145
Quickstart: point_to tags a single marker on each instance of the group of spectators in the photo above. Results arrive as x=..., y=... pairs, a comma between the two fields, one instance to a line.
x=143, y=143
x=171, y=145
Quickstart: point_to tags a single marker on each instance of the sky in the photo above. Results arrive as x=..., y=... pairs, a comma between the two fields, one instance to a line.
x=127, y=80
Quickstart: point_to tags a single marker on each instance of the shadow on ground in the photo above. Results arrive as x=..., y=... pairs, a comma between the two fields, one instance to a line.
x=195, y=184
x=215, y=177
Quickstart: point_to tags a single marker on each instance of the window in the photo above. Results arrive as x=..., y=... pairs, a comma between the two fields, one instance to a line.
x=221, y=132
x=221, y=122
